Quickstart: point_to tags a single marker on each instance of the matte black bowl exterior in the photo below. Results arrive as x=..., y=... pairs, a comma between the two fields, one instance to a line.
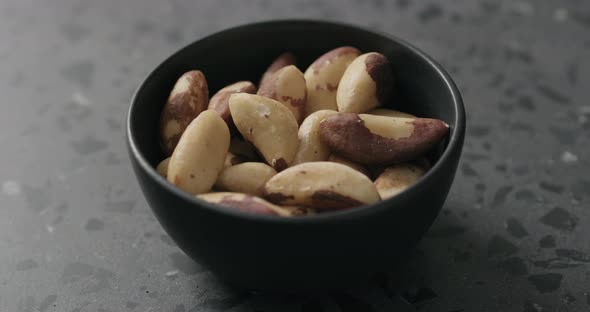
x=312, y=252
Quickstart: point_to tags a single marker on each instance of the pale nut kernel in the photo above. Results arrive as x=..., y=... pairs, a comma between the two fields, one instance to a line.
x=322, y=185
x=323, y=76
x=198, y=159
x=379, y=140
x=287, y=86
x=162, y=167
x=188, y=99
x=268, y=125
x=389, y=113
x=366, y=84
x=245, y=203
x=311, y=147
x=343, y=161
x=281, y=61
x=219, y=102
x=248, y=178
x=398, y=177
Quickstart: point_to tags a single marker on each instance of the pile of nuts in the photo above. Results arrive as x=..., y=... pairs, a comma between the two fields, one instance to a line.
x=301, y=143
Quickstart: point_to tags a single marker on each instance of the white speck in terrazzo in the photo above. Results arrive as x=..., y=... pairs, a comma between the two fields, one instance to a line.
x=568, y=157
x=171, y=273
x=50, y=228
x=561, y=14
x=11, y=188
x=80, y=99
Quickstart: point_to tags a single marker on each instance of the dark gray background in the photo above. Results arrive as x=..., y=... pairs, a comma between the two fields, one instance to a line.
x=77, y=235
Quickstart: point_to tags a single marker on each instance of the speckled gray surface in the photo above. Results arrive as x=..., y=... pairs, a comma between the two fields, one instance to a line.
x=76, y=234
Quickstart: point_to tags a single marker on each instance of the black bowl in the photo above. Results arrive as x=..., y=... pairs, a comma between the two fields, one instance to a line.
x=311, y=252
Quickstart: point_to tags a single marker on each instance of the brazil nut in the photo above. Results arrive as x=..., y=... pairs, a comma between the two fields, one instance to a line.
x=389, y=113
x=366, y=84
x=324, y=186
x=287, y=86
x=188, y=99
x=219, y=102
x=198, y=159
x=311, y=147
x=245, y=203
x=398, y=177
x=162, y=167
x=248, y=178
x=281, y=61
x=379, y=140
x=323, y=76
x=268, y=125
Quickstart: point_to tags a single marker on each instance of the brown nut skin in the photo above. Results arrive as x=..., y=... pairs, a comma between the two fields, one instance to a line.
x=343, y=161
x=162, y=167
x=248, y=178
x=389, y=113
x=323, y=76
x=378, y=140
x=281, y=61
x=287, y=86
x=366, y=84
x=189, y=97
x=231, y=160
x=198, y=159
x=322, y=185
x=219, y=102
x=268, y=125
x=297, y=211
x=398, y=177
x=245, y=203
x=311, y=147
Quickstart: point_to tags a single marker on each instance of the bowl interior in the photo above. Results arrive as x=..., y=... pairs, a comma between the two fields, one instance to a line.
x=243, y=53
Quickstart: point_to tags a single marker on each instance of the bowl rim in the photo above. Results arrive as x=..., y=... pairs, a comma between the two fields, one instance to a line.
x=358, y=212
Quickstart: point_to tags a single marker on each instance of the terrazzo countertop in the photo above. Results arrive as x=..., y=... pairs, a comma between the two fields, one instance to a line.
x=77, y=235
